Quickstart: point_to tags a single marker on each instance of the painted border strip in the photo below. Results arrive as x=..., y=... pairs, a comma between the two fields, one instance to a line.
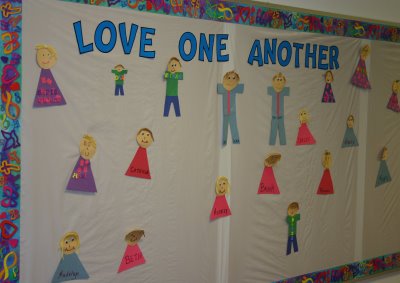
x=350, y=271
x=255, y=14
x=10, y=162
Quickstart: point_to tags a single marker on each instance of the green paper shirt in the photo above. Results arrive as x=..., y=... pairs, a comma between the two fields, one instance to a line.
x=119, y=76
x=292, y=221
x=172, y=82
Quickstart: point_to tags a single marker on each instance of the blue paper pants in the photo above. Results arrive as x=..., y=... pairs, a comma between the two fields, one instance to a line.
x=119, y=89
x=231, y=120
x=171, y=100
x=277, y=124
x=292, y=240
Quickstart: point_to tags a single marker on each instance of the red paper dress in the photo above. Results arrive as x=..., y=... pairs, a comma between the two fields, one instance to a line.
x=304, y=136
x=133, y=257
x=268, y=183
x=220, y=208
x=140, y=165
x=326, y=185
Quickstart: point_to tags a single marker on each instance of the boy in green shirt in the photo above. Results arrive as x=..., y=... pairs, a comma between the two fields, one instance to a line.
x=172, y=75
x=292, y=219
x=119, y=71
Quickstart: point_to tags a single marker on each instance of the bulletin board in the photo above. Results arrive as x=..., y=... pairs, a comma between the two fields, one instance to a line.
x=152, y=124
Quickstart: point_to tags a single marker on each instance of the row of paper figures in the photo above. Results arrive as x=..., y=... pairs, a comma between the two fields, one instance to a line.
x=49, y=94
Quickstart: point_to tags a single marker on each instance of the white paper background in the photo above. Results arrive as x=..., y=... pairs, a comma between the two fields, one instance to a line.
x=181, y=245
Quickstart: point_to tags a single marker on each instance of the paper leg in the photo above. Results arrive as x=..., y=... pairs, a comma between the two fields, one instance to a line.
x=225, y=129
x=295, y=247
x=289, y=246
x=122, y=90
x=234, y=129
x=282, y=134
x=116, y=90
x=167, y=105
x=175, y=101
x=274, y=129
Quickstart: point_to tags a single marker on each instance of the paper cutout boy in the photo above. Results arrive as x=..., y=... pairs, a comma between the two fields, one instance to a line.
x=393, y=103
x=228, y=89
x=139, y=166
x=48, y=93
x=119, y=71
x=133, y=256
x=383, y=173
x=82, y=176
x=268, y=183
x=304, y=135
x=278, y=91
x=70, y=267
x=221, y=207
x=291, y=219
x=326, y=185
x=350, y=138
x=328, y=92
x=360, y=76
x=172, y=76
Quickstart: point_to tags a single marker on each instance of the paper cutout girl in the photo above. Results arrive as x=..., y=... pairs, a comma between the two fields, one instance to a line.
x=326, y=185
x=229, y=88
x=173, y=75
x=360, y=77
x=139, y=166
x=133, y=256
x=268, y=183
x=48, y=92
x=82, y=177
x=221, y=207
x=304, y=135
x=119, y=71
x=350, y=138
x=393, y=103
x=70, y=267
x=383, y=173
x=328, y=97
x=291, y=219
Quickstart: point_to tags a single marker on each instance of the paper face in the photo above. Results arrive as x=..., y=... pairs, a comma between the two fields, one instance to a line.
x=46, y=56
x=231, y=80
x=272, y=159
x=222, y=186
x=87, y=147
x=278, y=82
x=144, y=138
x=133, y=237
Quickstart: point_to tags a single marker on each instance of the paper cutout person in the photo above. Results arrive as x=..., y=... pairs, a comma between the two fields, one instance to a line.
x=82, y=176
x=172, y=76
x=278, y=91
x=383, y=173
x=70, y=267
x=139, y=166
x=268, y=183
x=119, y=71
x=48, y=93
x=229, y=88
x=360, y=76
x=328, y=97
x=350, y=138
x=304, y=135
x=291, y=219
x=326, y=185
x=221, y=207
x=393, y=103
x=133, y=256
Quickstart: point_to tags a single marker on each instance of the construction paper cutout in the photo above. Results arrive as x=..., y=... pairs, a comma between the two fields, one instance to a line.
x=139, y=166
x=350, y=138
x=119, y=71
x=328, y=97
x=304, y=135
x=48, y=93
x=221, y=207
x=268, y=184
x=326, y=185
x=82, y=176
x=133, y=256
x=278, y=91
x=229, y=88
x=393, y=103
x=70, y=267
x=360, y=76
x=383, y=173
x=172, y=76
x=291, y=219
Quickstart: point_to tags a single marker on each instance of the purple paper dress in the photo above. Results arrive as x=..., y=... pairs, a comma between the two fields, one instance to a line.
x=82, y=177
x=393, y=103
x=360, y=77
x=328, y=97
x=48, y=92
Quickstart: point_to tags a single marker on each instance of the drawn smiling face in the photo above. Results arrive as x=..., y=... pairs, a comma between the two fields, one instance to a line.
x=70, y=245
x=222, y=186
x=144, y=138
x=174, y=66
x=45, y=59
x=87, y=147
x=230, y=81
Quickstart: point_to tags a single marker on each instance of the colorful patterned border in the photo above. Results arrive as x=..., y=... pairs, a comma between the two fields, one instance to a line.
x=10, y=109
x=351, y=271
x=256, y=15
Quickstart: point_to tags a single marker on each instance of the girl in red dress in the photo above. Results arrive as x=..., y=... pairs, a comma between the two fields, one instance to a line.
x=326, y=185
x=268, y=183
x=304, y=135
x=139, y=166
x=221, y=207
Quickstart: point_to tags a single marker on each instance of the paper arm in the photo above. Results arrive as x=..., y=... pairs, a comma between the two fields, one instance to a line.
x=239, y=88
x=221, y=89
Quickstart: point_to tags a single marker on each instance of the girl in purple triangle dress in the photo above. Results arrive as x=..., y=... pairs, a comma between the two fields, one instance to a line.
x=360, y=77
x=48, y=93
x=328, y=92
x=393, y=103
